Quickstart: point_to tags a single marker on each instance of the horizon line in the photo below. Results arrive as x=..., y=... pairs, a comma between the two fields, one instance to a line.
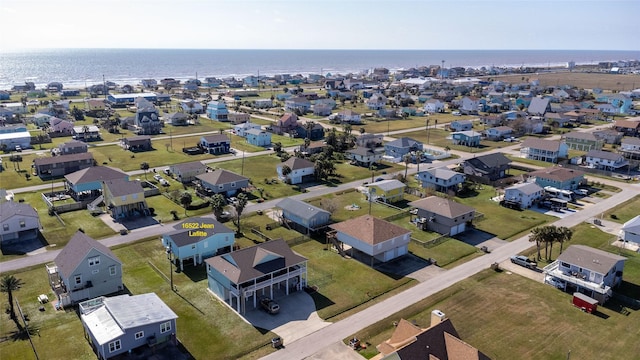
x=297, y=49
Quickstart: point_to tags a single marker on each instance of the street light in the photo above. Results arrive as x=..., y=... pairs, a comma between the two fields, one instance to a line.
x=169, y=253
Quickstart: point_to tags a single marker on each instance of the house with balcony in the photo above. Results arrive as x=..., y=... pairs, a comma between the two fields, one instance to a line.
x=19, y=221
x=441, y=179
x=286, y=124
x=582, y=141
x=137, y=143
x=523, y=194
x=387, y=191
x=608, y=136
x=544, y=150
x=86, y=184
x=84, y=269
x=215, y=144
x=498, y=133
x=241, y=129
x=465, y=138
x=297, y=104
x=377, y=239
x=86, y=133
x=124, y=199
x=117, y=326
x=196, y=239
x=441, y=215
x=217, y=110
x=461, y=125
x=558, y=177
x=300, y=170
x=605, y=160
x=630, y=147
x=628, y=127
x=433, y=106
x=73, y=147
x=365, y=156
x=490, y=167
x=589, y=271
x=303, y=216
x=349, y=117
x=241, y=277
x=187, y=172
x=395, y=150
x=377, y=102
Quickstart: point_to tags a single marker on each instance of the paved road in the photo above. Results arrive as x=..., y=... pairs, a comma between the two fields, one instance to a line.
x=315, y=342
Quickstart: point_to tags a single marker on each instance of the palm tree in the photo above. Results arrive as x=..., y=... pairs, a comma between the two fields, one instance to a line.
x=144, y=166
x=217, y=205
x=536, y=235
x=418, y=155
x=406, y=158
x=185, y=200
x=239, y=206
x=564, y=234
x=10, y=284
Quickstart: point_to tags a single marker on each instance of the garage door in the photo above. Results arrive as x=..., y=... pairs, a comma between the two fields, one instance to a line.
x=402, y=250
x=388, y=255
x=457, y=229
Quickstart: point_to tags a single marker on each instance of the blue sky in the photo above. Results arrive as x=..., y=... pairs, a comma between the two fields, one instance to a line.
x=322, y=24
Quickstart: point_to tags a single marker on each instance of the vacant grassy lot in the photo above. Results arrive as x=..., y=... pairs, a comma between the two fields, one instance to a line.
x=446, y=253
x=625, y=211
x=438, y=137
x=350, y=198
x=578, y=79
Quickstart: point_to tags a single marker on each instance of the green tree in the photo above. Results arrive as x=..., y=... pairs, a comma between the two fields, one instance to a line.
x=8, y=285
x=277, y=147
x=406, y=158
x=185, y=200
x=145, y=167
x=549, y=234
x=218, y=203
x=239, y=206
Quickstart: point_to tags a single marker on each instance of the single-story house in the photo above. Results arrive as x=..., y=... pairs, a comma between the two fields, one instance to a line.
x=523, y=194
x=177, y=119
x=590, y=271
x=239, y=278
x=196, y=239
x=303, y=215
x=118, y=325
x=187, y=172
x=222, y=181
x=443, y=216
x=19, y=221
x=386, y=190
x=84, y=269
x=630, y=231
x=379, y=239
x=73, y=147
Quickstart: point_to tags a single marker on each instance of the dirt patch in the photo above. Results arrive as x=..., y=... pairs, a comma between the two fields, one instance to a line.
x=578, y=79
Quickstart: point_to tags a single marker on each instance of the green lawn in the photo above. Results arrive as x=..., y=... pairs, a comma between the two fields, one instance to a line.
x=625, y=211
x=529, y=161
x=446, y=253
x=438, y=137
x=349, y=198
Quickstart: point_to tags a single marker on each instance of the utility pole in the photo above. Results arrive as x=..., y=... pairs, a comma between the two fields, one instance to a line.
x=169, y=252
x=26, y=329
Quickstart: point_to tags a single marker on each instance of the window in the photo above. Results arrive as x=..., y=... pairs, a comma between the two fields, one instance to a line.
x=193, y=246
x=78, y=279
x=93, y=261
x=5, y=227
x=135, y=196
x=139, y=335
x=206, y=244
x=124, y=198
x=165, y=326
x=564, y=264
x=112, y=270
x=114, y=346
x=22, y=224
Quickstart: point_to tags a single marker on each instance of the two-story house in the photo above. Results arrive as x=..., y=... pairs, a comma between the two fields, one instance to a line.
x=523, y=194
x=303, y=216
x=215, y=144
x=241, y=129
x=258, y=137
x=443, y=216
x=240, y=277
x=605, y=160
x=73, y=147
x=433, y=106
x=365, y=156
x=630, y=147
x=582, y=141
x=86, y=184
x=377, y=102
x=630, y=231
x=299, y=170
x=441, y=179
x=217, y=110
x=544, y=150
x=488, y=167
x=397, y=149
x=349, y=116
x=558, y=177
x=590, y=271
x=124, y=198
x=86, y=133
x=222, y=181
x=56, y=166
x=498, y=133
x=137, y=143
x=84, y=269
x=465, y=138
x=196, y=239
x=385, y=190
x=297, y=104
x=19, y=221
x=608, y=136
x=379, y=240
x=461, y=125
x=116, y=327
x=187, y=172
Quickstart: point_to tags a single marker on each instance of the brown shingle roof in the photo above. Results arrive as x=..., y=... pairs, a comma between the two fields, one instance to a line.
x=122, y=187
x=541, y=144
x=76, y=250
x=370, y=229
x=62, y=159
x=95, y=173
x=557, y=173
x=441, y=206
x=295, y=163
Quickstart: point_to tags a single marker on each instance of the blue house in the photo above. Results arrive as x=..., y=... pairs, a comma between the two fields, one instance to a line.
x=5, y=95
x=620, y=102
x=221, y=181
x=217, y=110
x=466, y=138
x=558, y=177
x=216, y=144
x=196, y=239
x=398, y=148
x=241, y=277
x=258, y=137
x=303, y=215
x=86, y=184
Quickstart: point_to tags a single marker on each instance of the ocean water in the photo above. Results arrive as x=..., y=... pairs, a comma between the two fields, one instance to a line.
x=76, y=68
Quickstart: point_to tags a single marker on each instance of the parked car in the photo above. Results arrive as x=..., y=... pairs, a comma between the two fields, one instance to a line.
x=158, y=177
x=524, y=261
x=269, y=305
x=456, y=113
x=560, y=284
x=18, y=148
x=164, y=182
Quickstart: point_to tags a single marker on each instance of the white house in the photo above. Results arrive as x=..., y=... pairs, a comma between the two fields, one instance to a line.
x=630, y=231
x=432, y=106
x=606, y=160
x=499, y=132
x=241, y=129
x=191, y=106
x=524, y=194
x=300, y=170
x=469, y=104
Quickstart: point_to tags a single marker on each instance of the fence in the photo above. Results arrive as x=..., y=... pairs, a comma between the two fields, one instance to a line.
x=396, y=216
x=430, y=243
x=298, y=240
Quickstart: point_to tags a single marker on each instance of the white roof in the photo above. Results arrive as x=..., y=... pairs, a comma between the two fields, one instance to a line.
x=387, y=185
x=14, y=135
x=102, y=325
x=91, y=128
x=128, y=96
x=632, y=225
x=526, y=188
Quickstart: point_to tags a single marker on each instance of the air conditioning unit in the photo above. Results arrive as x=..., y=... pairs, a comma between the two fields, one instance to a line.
x=248, y=294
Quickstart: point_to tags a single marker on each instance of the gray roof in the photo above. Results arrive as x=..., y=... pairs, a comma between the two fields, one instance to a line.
x=527, y=188
x=541, y=144
x=138, y=139
x=256, y=261
x=192, y=165
x=182, y=236
x=295, y=163
x=221, y=176
x=63, y=158
x=557, y=173
x=122, y=187
x=630, y=141
x=76, y=250
x=119, y=313
x=489, y=161
x=441, y=206
x=11, y=208
x=387, y=185
x=589, y=258
x=632, y=225
x=216, y=138
x=72, y=144
x=300, y=208
x=601, y=154
x=404, y=142
x=580, y=135
x=95, y=173
x=361, y=150
x=538, y=106
x=442, y=173
x=369, y=229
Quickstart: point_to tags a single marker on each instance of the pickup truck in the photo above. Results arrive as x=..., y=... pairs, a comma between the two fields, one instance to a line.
x=524, y=261
x=269, y=305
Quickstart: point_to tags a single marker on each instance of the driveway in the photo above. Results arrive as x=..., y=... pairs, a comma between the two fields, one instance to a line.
x=338, y=350
x=297, y=317
x=535, y=274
